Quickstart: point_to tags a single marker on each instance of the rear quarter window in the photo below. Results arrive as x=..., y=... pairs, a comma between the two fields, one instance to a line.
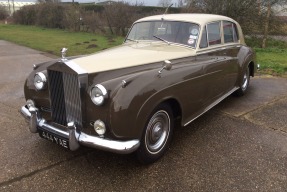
x=229, y=32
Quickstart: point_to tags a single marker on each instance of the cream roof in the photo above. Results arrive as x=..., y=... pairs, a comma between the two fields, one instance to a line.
x=200, y=19
x=195, y=18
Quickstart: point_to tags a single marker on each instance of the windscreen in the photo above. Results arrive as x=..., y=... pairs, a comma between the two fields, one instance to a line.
x=170, y=31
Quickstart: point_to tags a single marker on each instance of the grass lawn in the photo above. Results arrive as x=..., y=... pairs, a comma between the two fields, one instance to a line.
x=273, y=59
x=52, y=40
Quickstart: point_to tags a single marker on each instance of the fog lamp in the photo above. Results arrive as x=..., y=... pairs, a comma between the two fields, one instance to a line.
x=100, y=127
x=30, y=103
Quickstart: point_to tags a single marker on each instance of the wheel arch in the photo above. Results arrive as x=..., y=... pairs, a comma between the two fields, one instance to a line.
x=175, y=107
x=251, y=66
x=147, y=109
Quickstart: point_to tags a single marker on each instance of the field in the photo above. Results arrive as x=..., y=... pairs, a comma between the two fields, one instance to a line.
x=52, y=40
x=273, y=59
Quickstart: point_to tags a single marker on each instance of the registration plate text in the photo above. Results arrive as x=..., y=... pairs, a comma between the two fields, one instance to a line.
x=59, y=141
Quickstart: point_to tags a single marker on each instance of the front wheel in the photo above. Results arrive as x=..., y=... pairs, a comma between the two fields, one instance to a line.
x=245, y=83
x=157, y=135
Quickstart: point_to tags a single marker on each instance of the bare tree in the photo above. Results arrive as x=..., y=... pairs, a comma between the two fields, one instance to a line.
x=182, y=3
x=9, y=7
x=3, y=13
x=120, y=16
x=254, y=16
x=266, y=24
x=49, y=1
x=13, y=4
x=267, y=13
x=164, y=3
x=240, y=10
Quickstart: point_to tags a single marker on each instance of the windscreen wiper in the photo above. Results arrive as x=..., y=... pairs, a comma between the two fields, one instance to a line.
x=162, y=39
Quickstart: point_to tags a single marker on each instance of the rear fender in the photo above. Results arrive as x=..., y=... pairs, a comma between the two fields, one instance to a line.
x=246, y=57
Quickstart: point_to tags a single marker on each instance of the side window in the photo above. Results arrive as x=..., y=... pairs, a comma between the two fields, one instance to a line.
x=235, y=33
x=213, y=30
x=230, y=32
x=203, y=42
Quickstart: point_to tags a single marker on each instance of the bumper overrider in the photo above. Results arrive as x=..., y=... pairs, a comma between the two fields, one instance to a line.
x=74, y=136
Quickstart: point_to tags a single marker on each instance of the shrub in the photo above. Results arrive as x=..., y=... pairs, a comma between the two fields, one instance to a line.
x=3, y=13
x=93, y=22
x=71, y=18
x=50, y=15
x=26, y=15
x=114, y=18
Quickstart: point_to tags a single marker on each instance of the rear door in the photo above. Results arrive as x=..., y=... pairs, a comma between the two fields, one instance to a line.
x=218, y=65
x=231, y=47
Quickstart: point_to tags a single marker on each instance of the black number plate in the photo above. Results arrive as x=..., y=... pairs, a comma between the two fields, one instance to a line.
x=53, y=138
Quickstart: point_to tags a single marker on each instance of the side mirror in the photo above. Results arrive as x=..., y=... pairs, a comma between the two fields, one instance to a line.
x=166, y=65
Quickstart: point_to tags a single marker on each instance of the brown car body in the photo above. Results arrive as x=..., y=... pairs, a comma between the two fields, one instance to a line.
x=195, y=81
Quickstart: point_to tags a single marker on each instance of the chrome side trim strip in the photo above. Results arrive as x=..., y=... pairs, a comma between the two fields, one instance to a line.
x=79, y=138
x=214, y=49
x=213, y=104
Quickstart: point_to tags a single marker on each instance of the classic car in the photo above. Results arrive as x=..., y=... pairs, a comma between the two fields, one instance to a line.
x=171, y=67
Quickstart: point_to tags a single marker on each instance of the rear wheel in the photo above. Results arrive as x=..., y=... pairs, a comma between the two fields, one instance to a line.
x=245, y=83
x=157, y=134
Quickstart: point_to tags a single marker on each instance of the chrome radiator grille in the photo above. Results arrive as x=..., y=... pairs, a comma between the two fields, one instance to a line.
x=65, y=98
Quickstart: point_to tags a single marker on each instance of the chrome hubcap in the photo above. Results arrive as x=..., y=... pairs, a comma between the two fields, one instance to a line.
x=157, y=131
x=245, y=79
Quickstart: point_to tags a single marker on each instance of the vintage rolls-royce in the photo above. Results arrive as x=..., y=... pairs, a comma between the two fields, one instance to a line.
x=126, y=99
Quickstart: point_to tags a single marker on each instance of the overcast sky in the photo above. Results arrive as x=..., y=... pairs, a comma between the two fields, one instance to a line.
x=145, y=2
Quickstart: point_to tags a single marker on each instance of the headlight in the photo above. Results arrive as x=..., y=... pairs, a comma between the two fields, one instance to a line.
x=40, y=80
x=98, y=94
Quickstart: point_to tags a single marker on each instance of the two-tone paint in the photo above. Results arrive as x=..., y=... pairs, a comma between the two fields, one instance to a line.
x=198, y=80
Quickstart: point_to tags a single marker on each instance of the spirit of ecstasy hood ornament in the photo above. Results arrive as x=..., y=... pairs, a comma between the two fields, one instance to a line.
x=63, y=51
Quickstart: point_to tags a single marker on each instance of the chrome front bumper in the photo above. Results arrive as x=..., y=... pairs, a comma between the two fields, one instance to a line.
x=75, y=137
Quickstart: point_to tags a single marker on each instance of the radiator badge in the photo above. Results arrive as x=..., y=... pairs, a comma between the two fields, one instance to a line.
x=63, y=51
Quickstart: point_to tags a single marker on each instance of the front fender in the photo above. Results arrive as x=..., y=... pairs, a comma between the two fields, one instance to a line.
x=126, y=103
x=132, y=105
